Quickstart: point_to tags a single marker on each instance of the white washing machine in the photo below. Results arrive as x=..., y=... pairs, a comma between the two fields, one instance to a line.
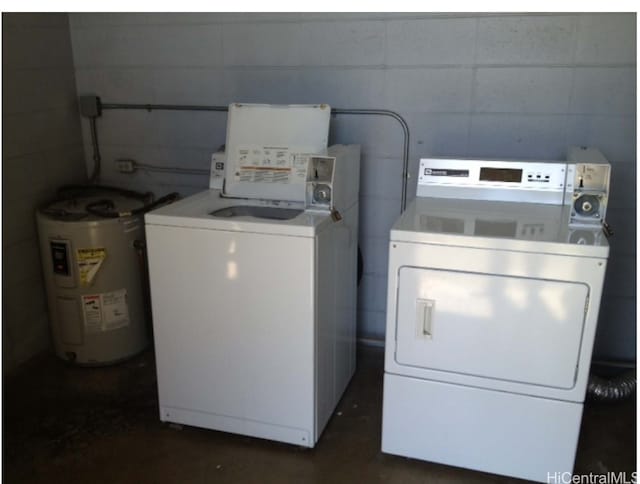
x=253, y=285
x=493, y=300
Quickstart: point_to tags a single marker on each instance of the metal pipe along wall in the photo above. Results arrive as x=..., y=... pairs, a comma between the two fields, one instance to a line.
x=335, y=111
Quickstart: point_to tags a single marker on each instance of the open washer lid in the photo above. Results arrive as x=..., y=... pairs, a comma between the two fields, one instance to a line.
x=268, y=148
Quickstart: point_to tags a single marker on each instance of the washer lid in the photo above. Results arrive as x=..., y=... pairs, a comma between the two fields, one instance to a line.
x=268, y=147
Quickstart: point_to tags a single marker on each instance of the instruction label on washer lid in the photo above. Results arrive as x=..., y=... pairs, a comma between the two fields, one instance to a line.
x=270, y=164
x=105, y=311
x=89, y=263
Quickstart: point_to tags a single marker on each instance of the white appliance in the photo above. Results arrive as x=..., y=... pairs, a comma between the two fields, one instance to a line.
x=254, y=285
x=492, y=309
x=93, y=269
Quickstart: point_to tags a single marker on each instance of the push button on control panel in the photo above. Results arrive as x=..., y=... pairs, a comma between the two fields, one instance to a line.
x=539, y=177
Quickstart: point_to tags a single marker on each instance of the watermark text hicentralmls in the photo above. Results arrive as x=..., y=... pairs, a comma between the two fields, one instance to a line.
x=591, y=478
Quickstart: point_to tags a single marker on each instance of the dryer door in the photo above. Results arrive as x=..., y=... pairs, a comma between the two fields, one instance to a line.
x=500, y=327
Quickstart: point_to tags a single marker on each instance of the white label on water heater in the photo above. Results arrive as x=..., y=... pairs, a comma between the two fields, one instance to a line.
x=105, y=311
x=115, y=309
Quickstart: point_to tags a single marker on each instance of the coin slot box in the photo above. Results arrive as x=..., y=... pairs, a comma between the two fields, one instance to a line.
x=320, y=174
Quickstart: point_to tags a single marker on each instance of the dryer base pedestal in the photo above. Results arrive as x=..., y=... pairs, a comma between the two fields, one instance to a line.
x=498, y=432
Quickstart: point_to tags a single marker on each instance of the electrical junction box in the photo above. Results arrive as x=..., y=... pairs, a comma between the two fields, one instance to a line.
x=90, y=106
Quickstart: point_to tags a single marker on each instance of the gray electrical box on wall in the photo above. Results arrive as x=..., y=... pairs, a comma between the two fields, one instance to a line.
x=90, y=106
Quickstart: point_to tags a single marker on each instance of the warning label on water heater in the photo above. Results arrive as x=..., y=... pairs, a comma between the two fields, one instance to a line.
x=105, y=311
x=89, y=263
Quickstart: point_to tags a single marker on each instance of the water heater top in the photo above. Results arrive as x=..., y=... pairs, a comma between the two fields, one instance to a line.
x=77, y=208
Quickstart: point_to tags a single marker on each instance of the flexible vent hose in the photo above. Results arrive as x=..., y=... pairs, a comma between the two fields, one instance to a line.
x=104, y=208
x=612, y=389
x=70, y=191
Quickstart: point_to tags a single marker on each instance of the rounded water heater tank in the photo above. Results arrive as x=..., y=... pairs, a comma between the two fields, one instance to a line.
x=95, y=276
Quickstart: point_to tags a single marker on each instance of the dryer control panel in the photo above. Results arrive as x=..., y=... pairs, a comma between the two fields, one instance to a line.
x=526, y=181
x=509, y=174
x=581, y=182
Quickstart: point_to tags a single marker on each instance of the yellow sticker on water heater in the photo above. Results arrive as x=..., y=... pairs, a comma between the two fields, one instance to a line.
x=89, y=263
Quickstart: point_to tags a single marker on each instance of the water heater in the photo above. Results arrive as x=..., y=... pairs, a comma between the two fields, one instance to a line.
x=95, y=275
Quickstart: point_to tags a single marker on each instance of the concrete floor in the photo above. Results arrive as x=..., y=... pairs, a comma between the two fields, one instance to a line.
x=79, y=425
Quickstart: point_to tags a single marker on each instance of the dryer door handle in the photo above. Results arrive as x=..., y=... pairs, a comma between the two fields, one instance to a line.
x=424, y=318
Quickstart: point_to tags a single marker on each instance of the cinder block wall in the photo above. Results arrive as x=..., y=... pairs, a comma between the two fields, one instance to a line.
x=470, y=85
x=41, y=149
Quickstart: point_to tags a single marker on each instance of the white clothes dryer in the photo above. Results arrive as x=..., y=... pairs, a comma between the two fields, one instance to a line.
x=493, y=302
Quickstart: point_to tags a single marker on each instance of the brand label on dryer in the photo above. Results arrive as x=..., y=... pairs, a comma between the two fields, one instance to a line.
x=446, y=172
